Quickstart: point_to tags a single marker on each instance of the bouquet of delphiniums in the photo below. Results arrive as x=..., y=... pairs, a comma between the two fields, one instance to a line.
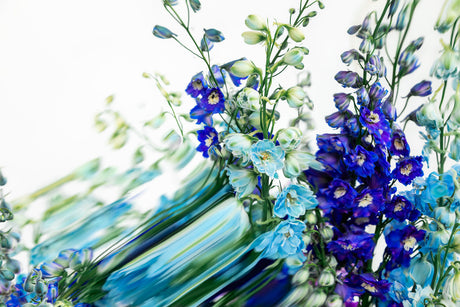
x=266, y=219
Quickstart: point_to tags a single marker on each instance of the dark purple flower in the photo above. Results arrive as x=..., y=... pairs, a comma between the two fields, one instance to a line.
x=407, y=169
x=361, y=161
x=201, y=115
x=377, y=124
x=368, y=203
x=342, y=101
x=339, y=193
x=399, y=145
x=421, y=89
x=348, y=79
x=197, y=86
x=332, y=143
x=400, y=209
x=401, y=244
x=366, y=281
x=213, y=100
x=337, y=119
x=352, y=247
x=208, y=137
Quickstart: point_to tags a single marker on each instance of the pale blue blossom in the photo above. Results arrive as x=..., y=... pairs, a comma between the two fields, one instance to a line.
x=267, y=158
x=294, y=201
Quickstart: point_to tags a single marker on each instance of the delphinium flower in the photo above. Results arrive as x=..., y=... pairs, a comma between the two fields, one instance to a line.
x=357, y=189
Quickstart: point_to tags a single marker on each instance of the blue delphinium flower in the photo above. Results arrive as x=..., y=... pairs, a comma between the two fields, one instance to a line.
x=399, y=145
x=284, y=241
x=197, y=86
x=201, y=115
x=367, y=204
x=352, y=247
x=213, y=100
x=407, y=169
x=375, y=66
x=376, y=122
x=361, y=161
x=208, y=137
x=400, y=209
x=339, y=193
x=266, y=157
x=401, y=243
x=293, y=201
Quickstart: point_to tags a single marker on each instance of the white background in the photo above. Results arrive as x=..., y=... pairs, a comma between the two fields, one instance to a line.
x=59, y=59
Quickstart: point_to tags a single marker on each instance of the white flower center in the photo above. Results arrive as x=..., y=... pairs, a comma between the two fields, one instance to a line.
x=409, y=243
x=368, y=287
x=399, y=206
x=365, y=201
x=210, y=140
x=399, y=145
x=406, y=170
x=213, y=98
x=197, y=84
x=339, y=192
x=373, y=118
x=360, y=159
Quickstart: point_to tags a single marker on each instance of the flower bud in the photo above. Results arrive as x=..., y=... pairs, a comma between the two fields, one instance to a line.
x=421, y=271
x=421, y=89
x=293, y=57
x=243, y=68
x=196, y=5
x=295, y=97
x=334, y=301
x=447, y=65
x=449, y=13
x=162, y=32
x=454, y=149
x=253, y=38
x=456, y=243
x=13, y=265
x=289, y=138
x=445, y=216
x=238, y=144
x=327, y=278
x=6, y=274
x=242, y=180
x=452, y=286
x=248, y=99
x=295, y=34
x=214, y=35
x=311, y=218
x=429, y=116
x=316, y=299
x=40, y=288
x=297, y=161
x=327, y=234
x=300, y=277
x=256, y=23
x=401, y=22
x=2, y=179
x=52, y=269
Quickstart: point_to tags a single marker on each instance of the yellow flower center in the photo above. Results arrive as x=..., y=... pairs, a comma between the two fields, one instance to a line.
x=265, y=156
x=339, y=192
x=213, y=98
x=406, y=170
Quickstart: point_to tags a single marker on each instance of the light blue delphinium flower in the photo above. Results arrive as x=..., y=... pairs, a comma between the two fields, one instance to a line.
x=418, y=297
x=243, y=180
x=266, y=157
x=284, y=241
x=294, y=201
